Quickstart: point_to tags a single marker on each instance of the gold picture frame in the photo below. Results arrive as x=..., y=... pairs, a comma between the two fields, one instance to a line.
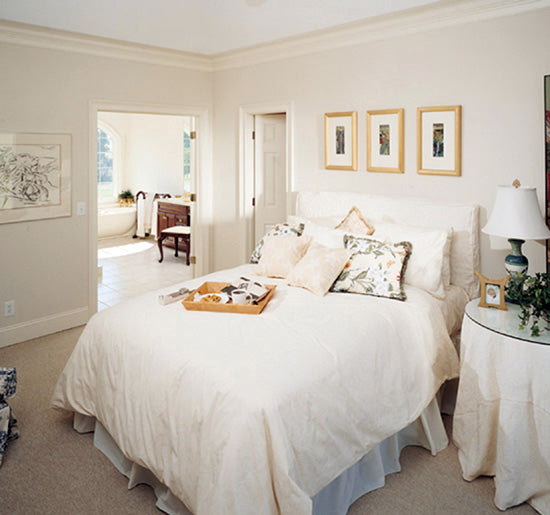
x=385, y=140
x=341, y=141
x=439, y=140
x=492, y=292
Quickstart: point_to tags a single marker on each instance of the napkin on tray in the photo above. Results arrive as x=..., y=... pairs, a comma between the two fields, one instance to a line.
x=256, y=290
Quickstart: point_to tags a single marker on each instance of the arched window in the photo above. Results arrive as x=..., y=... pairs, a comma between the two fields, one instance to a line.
x=187, y=161
x=108, y=164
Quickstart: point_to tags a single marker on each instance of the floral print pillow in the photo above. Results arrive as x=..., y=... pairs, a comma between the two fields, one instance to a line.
x=375, y=268
x=278, y=230
x=8, y=425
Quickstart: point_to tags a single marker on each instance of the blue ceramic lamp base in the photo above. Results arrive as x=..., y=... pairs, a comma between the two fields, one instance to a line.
x=515, y=263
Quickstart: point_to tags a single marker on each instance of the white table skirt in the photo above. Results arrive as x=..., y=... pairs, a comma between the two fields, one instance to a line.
x=502, y=416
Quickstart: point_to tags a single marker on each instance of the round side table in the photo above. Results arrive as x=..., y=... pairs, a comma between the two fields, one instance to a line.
x=502, y=415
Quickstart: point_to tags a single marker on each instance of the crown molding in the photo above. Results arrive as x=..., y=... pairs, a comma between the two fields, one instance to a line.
x=42, y=37
x=421, y=19
x=429, y=17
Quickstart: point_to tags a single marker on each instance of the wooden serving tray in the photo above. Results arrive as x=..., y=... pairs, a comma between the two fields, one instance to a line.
x=229, y=307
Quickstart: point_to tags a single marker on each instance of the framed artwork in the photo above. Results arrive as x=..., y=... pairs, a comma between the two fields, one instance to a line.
x=35, y=176
x=547, y=162
x=385, y=141
x=439, y=134
x=492, y=292
x=341, y=141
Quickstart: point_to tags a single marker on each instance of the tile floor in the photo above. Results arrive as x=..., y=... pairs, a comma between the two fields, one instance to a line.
x=130, y=267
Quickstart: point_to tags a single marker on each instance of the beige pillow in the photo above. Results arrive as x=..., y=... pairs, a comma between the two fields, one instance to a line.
x=278, y=230
x=280, y=255
x=355, y=223
x=319, y=268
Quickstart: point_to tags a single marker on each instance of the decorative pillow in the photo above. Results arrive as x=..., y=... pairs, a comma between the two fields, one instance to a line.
x=355, y=223
x=280, y=255
x=278, y=230
x=429, y=265
x=375, y=268
x=318, y=269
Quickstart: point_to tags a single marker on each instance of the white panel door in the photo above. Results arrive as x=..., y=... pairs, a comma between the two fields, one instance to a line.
x=269, y=172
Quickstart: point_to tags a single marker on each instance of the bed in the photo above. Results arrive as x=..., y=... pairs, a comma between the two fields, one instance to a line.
x=301, y=409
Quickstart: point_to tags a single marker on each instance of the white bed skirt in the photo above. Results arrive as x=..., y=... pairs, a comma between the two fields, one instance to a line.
x=335, y=499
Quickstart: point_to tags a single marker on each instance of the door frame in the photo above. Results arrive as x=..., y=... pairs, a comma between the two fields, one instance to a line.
x=246, y=164
x=203, y=186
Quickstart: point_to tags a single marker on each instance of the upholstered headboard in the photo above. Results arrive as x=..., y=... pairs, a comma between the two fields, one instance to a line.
x=463, y=218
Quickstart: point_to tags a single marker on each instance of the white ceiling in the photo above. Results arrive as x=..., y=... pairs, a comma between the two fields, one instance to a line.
x=199, y=26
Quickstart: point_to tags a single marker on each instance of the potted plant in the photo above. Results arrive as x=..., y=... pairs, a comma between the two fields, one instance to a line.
x=533, y=295
x=125, y=197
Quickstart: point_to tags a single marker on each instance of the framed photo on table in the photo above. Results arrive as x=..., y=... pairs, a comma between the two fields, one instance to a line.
x=492, y=292
x=385, y=141
x=341, y=141
x=439, y=135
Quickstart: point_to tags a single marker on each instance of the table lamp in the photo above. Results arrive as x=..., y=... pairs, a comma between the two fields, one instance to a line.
x=516, y=216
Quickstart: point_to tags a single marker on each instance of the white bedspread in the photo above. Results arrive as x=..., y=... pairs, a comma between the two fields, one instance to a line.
x=248, y=414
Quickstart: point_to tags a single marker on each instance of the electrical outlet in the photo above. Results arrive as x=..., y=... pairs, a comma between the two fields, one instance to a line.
x=9, y=308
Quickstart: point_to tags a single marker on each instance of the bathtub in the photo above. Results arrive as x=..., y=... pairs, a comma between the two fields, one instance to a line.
x=116, y=221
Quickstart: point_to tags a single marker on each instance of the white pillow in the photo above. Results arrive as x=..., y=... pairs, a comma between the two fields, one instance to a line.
x=429, y=263
x=332, y=238
x=320, y=232
x=280, y=255
x=319, y=268
x=330, y=222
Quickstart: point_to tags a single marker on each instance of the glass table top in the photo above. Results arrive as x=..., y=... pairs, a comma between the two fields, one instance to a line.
x=506, y=322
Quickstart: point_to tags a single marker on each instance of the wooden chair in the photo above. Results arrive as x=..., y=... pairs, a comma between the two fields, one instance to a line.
x=179, y=233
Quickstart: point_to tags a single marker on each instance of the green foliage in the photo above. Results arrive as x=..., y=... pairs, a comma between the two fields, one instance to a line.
x=533, y=296
x=126, y=194
x=514, y=287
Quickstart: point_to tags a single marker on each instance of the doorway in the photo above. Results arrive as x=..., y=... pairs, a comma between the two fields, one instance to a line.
x=155, y=160
x=141, y=160
x=265, y=169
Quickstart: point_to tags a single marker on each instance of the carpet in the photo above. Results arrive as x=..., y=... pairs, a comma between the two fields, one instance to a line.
x=52, y=469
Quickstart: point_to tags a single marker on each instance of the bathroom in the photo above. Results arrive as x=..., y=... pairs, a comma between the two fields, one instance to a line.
x=137, y=152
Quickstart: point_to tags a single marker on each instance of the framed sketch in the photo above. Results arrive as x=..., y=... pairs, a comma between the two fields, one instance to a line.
x=385, y=141
x=439, y=134
x=341, y=141
x=35, y=176
x=492, y=292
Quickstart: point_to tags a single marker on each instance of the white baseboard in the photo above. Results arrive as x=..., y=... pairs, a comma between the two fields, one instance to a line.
x=41, y=326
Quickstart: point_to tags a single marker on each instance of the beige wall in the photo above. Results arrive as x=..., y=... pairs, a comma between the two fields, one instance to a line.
x=494, y=69
x=44, y=264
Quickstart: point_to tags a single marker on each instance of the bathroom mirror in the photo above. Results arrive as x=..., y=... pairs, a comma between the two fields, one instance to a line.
x=547, y=162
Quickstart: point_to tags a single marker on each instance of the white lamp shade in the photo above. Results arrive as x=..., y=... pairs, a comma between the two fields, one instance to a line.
x=516, y=215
